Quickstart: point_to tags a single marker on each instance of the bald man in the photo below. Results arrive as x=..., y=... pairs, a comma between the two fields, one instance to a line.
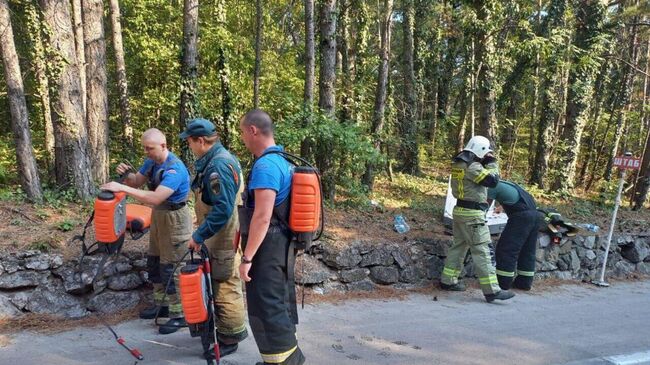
x=168, y=183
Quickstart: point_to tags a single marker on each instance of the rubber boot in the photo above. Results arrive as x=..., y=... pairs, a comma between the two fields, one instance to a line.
x=501, y=295
x=224, y=350
x=150, y=312
x=459, y=286
x=172, y=326
x=296, y=358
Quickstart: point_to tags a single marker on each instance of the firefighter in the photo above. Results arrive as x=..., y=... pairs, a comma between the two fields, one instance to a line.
x=217, y=189
x=168, y=182
x=473, y=170
x=269, y=253
x=516, y=249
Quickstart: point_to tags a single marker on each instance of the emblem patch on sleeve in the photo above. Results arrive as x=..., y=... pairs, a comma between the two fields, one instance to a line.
x=215, y=183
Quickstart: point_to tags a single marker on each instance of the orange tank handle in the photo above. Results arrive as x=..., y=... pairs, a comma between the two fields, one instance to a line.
x=140, y=214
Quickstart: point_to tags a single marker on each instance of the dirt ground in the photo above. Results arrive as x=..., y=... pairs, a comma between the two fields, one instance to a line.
x=52, y=228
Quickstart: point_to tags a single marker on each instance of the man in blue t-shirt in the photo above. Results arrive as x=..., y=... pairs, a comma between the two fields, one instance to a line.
x=269, y=254
x=168, y=184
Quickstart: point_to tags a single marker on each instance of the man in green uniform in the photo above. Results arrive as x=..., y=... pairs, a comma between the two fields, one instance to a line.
x=473, y=170
x=168, y=182
x=516, y=250
x=217, y=188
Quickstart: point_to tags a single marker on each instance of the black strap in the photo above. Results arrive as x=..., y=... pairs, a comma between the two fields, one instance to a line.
x=472, y=205
x=291, y=279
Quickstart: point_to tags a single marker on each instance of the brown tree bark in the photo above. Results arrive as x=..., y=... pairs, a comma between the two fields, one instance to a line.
x=624, y=105
x=642, y=182
x=326, y=88
x=327, y=79
x=122, y=84
x=410, y=162
x=310, y=67
x=590, y=17
x=189, y=103
x=485, y=53
x=72, y=165
x=27, y=170
x=381, y=90
x=77, y=24
x=259, y=25
x=39, y=65
x=97, y=97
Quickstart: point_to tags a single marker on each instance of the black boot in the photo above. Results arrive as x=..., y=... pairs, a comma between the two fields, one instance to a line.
x=172, y=326
x=150, y=312
x=296, y=358
x=459, y=286
x=501, y=295
x=224, y=350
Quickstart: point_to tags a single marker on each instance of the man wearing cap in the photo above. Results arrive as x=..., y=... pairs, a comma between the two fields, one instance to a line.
x=473, y=170
x=168, y=182
x=217, y=189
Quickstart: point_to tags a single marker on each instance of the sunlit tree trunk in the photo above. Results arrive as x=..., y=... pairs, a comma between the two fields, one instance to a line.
x=189, y=101
x=72, y=164
x=122, y=84
x=27, y=170
x=97, y=97
x=381, y=90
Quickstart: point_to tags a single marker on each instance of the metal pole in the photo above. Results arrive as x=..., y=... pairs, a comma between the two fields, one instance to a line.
x=601, y=281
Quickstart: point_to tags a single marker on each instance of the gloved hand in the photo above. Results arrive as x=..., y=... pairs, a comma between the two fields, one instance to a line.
x=488, y=159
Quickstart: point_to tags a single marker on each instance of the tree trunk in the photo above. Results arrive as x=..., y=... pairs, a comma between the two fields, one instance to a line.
x=122, y=85
x=39, y=64
x=310, y=67
x=642, y=182
x=382, y=90
x=259, y=24
x=409, y=139
x=189, y=106
x=72, y=165
x=462, y=118
x=485, y=54
x=550, y=103
x=344, y=49
x=624, y=105
x=226, y=125
x=77, y=18
x=27, y=170
x=97, y=99
x=327, y=80
x=589, y=19
x=326, y=85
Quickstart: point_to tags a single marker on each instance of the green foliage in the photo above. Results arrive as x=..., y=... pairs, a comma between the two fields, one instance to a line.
x=66, y=225
x=40, y=246
x=350, y=149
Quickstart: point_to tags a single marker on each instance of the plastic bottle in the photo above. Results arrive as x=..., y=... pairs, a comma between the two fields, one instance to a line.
x=589, y=227
x=400, y=224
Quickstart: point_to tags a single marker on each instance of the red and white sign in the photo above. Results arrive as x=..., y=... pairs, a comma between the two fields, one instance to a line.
x=624, y=162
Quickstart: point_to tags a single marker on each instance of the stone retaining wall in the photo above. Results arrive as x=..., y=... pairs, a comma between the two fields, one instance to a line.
x=43, y=283
x=363, y=265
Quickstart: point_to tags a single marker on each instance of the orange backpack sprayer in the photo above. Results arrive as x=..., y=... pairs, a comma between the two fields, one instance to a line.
x=112, y=217
x=306, y=214
x=197, y=300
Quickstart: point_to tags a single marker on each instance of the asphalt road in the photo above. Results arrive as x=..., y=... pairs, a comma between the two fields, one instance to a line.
x=572, y=324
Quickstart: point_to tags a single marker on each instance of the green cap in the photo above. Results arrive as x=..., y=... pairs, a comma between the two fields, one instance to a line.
x=199, y=127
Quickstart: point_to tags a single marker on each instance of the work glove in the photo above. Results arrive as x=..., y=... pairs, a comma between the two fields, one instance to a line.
x=488, y=159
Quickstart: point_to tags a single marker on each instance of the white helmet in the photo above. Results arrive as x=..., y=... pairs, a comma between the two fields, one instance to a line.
x=479, y=145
